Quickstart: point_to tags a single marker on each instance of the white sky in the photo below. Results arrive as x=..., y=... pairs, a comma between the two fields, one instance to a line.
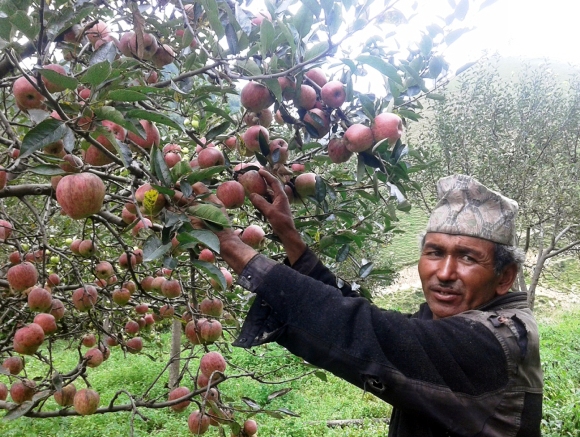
x=522, y=28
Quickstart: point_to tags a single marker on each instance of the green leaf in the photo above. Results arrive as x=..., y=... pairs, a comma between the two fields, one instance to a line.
x=249, y=67
x=66, y=81
x=278, y=393
x=204, y=174
x=96, y=74
x=452, y=36
x=380, y=65
x=126, y=96
x=217, y=130
x=143, y=114
x=461, y=9
x=21, y=21
x=435, y=96
x=267, y=37
x=213, y=15
x=220, y=112
x=365, y=270
x=199, y=236
x=19, y=411
x=407, y=113
x=316, y=50
x=303, y=21
x=47, y=170
x=47, y=132
x=212, y=271
x=288, y=412
x=321, y=375
x=210, y=214
x=153, y=249
x=159, y=166
x=313, y=6
x=343, y=253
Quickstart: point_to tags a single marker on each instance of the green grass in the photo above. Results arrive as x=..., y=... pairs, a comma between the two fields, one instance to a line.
x=314, y=399
x=560, y=353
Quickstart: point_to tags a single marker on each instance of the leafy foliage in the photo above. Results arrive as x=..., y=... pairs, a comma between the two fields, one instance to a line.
x=135, y=93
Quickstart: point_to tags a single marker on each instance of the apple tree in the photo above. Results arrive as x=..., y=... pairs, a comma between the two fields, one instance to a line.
x=126, y=128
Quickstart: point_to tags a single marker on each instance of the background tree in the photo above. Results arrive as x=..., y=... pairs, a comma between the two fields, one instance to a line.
x=115, y=117
x=518, y=135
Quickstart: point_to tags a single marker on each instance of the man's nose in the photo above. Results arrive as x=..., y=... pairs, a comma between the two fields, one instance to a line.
x=447, y=270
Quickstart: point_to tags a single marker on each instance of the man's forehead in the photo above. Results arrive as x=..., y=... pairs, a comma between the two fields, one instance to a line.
x=458, y=242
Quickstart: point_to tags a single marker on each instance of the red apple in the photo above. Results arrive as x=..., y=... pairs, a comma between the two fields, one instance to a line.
x=39, y=300
x=148, y=49
x=211, y=307
x=86, y=401
x=278, y=151
x=337, y=150
x=26, y=96
x=87, y=248
x=47, y=322
x=22, y=276
x=28, y=339
x=253, y=183
x=251, y=137
x=14, y=365
x=151, y=135
x=255, y=97
x=84, y=298
x=177, y=393
x=5, y=230
x=318, y=122
x=307, y=98
x=164, y=55
x=263, y=118
x=198, y=423
x=305, y=184
x=57, y=309
x=317, y=76
x=22, y=391
x=81, y=195
x=171, y=288
x=333, y=94
x=134, y=345
x=97, y=32
x=387, y=126
x=212, y=362
x=210, y=157
x=65, y=396
x=253, y=236
x=231, y=194
x=359, y=138
x=104, y=270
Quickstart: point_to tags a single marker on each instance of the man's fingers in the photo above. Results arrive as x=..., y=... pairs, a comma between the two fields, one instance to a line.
x=272, y=181
x=259, y=202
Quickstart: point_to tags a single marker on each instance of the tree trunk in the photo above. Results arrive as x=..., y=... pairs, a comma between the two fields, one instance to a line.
x=174, y=367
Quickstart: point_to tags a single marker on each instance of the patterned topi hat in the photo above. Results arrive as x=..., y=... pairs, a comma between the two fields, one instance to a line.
x=466, y=207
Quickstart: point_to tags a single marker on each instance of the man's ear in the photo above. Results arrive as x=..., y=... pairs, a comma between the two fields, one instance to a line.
x=506, y=279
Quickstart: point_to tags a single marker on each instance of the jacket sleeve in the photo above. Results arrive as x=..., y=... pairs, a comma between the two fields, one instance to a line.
x=446, y=368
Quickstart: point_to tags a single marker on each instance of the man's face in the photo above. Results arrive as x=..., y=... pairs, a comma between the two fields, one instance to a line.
x=457, y=273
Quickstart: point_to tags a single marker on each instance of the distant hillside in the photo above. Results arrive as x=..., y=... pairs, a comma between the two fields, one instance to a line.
x=508, y=68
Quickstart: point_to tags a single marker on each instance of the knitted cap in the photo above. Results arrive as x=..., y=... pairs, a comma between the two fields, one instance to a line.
x=466, y=207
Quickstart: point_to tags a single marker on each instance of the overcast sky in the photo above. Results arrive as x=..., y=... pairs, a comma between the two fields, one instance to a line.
x=524, y=28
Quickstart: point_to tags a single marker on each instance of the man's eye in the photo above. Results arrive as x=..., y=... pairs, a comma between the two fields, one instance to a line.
x=468, y=258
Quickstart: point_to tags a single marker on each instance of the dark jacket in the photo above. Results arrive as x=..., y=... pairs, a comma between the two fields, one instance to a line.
x=473, y=374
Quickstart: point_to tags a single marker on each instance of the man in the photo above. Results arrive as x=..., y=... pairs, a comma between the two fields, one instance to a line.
x=467, y=364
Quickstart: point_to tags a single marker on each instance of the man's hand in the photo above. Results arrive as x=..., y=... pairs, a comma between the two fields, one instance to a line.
x=279, y=215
